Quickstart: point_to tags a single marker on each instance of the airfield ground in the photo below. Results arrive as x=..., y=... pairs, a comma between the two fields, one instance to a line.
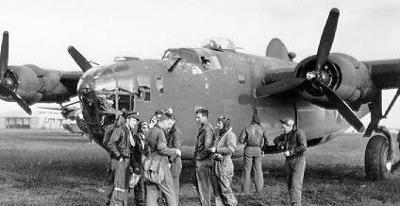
x=44, y=167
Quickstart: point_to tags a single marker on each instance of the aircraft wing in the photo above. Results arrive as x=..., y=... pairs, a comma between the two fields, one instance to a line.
x=278, y=81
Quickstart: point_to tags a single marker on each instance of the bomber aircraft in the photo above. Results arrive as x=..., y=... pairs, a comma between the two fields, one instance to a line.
x=325, y=93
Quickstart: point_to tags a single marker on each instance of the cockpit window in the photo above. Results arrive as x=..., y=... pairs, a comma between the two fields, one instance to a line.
x=190, y=57
x=170, y=55
x=210, y=63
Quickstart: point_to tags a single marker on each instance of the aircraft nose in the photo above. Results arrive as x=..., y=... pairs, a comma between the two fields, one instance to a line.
x=109, y=79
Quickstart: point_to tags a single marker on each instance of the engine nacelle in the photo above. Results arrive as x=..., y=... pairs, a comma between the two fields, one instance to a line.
x=34, y=84
x=350, y=79
x=24, y=81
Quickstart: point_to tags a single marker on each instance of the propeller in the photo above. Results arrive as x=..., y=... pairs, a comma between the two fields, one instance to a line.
x=82, y=62
x=318, y=78
x=5, y=83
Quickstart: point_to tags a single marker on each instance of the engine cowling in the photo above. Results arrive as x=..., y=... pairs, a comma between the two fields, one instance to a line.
x=347, y=77
x=24, y=81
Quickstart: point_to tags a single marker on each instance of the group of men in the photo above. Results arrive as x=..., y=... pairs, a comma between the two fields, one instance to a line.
x=133, y=141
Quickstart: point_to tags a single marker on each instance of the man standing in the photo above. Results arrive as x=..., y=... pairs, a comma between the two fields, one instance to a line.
x=294, y=143
x=138, y=153
x=119, y=147
x=158, y=150
x=174, y=140
x=203, y=157
x=254, y=138
x=224, y=148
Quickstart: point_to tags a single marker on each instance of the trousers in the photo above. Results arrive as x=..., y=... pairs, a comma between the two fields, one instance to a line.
x=252, y=160
x=223, y=174
x=117, y=182
x=166, y=187
x=176, y=168
x=205, y=180
x=295, y=167
x=140, y=192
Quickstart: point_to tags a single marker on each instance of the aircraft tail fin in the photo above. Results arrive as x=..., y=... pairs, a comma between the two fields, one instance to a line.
x=276, y=49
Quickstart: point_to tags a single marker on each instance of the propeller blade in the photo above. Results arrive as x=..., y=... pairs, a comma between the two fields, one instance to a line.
x=395, y=167
x=328, y=35
x=278, y=87
x=17, y=98
x=4, y=55
x=82, y=62
x=342, y=107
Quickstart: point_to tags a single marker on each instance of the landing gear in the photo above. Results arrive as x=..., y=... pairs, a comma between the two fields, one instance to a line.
x=377, y=157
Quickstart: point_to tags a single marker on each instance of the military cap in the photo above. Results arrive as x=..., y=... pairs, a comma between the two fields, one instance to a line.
x=130, y=114
x=287, y=121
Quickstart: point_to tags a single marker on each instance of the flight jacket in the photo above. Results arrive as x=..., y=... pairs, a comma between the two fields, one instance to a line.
x=295, y=142
x=205, y=140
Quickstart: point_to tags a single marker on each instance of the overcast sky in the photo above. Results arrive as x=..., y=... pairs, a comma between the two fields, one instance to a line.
x=41, y=30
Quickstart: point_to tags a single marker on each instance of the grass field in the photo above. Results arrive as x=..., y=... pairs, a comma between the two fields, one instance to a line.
x=41, y=167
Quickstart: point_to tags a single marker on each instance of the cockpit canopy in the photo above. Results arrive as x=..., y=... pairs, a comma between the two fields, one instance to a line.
x=205, y=58
x=201, y=58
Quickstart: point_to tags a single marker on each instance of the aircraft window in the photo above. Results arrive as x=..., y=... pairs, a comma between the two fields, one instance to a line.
x=144, y=83
x=190, y=57
x=169, y=54
x=126, y=102
x=159, y=85
x=210, y=63
x=146, y=95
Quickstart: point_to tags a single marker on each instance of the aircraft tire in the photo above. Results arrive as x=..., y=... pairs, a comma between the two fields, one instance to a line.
x=376, y=157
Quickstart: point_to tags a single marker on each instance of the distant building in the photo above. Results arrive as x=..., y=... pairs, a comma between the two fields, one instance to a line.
x=40, y=119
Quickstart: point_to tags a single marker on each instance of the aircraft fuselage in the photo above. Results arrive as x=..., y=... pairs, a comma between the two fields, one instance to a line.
x=224, y=85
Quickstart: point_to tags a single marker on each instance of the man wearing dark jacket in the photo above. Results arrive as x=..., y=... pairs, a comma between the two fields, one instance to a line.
x=203, y=157
x=254, y=138
x=174, y=140
x=119, y=147
x=138, y=155
x=294, y=144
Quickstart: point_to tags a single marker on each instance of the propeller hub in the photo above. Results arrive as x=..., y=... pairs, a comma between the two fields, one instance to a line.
x=311, y=75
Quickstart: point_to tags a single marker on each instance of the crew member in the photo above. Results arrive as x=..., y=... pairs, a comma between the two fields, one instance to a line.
x=157, y=145
x=157, y=115
x=174, y=140
x=119, y=146
x=294, y=144
x=203, y=157
x=223, y=166
x=138, y=153
x=112, y=163
x=254, y=137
